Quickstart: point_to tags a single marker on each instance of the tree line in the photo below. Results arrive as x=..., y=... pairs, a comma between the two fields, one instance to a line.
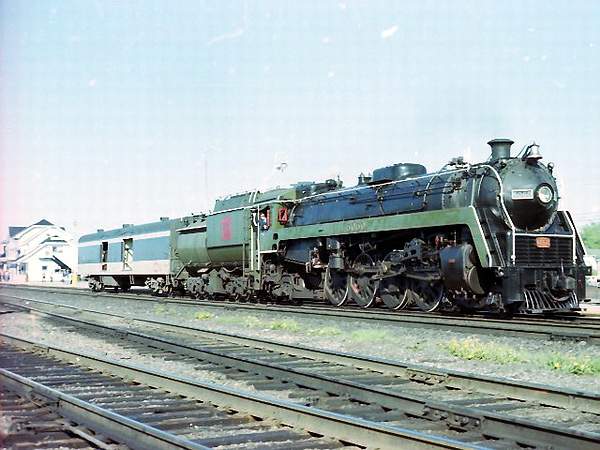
x=591, y=235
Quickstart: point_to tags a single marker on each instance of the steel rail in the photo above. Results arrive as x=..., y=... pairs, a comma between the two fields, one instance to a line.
x=585, y=329
x=35, y=423
x=159, y=409
x=344, y=428
x=144, y=295
x=119, y=428
x=566, y=398
x=355, y=310
x=488, y=423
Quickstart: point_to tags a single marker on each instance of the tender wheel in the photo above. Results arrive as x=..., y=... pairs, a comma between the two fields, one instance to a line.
x=96, y=285
x=394, y=292
x=336, y=287
x=427, y=295
x=363, y=288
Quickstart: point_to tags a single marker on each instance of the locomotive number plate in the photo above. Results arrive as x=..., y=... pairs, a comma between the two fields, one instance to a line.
x=542, y=242
x=522, y=194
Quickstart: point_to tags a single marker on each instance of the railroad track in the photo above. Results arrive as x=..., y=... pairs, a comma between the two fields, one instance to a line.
x=566, y=328
x=355, y=311
x=478, y=411
x=162, y=411
x=28, y=423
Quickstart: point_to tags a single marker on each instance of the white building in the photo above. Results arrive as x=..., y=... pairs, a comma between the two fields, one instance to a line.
x=40, y=252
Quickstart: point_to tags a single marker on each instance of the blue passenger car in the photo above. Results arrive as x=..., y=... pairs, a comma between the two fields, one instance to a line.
x=128, y=256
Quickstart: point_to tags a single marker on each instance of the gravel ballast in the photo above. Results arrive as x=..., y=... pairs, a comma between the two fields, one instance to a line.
x=517, y=358
x=42, y=330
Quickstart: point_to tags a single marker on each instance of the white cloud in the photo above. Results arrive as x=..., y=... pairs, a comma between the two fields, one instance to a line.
x=92, y=83
x=389, y=32
x=226, y=36
x=238, y=32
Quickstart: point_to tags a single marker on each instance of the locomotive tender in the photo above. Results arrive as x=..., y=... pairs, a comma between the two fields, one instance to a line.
x=469, y=236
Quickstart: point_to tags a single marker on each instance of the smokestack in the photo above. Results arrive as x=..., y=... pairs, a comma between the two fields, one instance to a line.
x=500, y=148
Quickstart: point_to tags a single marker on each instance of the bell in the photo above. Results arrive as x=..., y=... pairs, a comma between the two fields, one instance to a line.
x=533, y=154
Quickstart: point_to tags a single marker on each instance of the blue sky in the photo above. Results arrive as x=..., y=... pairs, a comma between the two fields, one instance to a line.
x=121, y=112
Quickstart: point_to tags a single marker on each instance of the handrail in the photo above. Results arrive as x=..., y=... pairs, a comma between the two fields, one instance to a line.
x=574, y=235
x=513, y=229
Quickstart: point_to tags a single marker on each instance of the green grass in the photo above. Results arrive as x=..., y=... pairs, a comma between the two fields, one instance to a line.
x=325, y=331
x=572, y=365
x=203, y=315
x=473, y=349
x=160, y=309
x=243, y=321
x=370, y=335
x=285, y=325
x=254, y=322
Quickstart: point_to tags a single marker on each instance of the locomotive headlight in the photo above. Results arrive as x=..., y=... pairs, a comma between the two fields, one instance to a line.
x=545, y=194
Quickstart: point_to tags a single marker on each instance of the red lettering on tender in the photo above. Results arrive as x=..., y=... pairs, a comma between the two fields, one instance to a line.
x=226, y=228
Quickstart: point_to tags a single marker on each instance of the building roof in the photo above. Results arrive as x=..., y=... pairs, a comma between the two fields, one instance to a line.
x=54, y=241
x=42, y=222
x=13, y=231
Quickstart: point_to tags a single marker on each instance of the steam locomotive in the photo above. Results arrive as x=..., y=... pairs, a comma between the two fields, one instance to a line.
x=485, y=236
